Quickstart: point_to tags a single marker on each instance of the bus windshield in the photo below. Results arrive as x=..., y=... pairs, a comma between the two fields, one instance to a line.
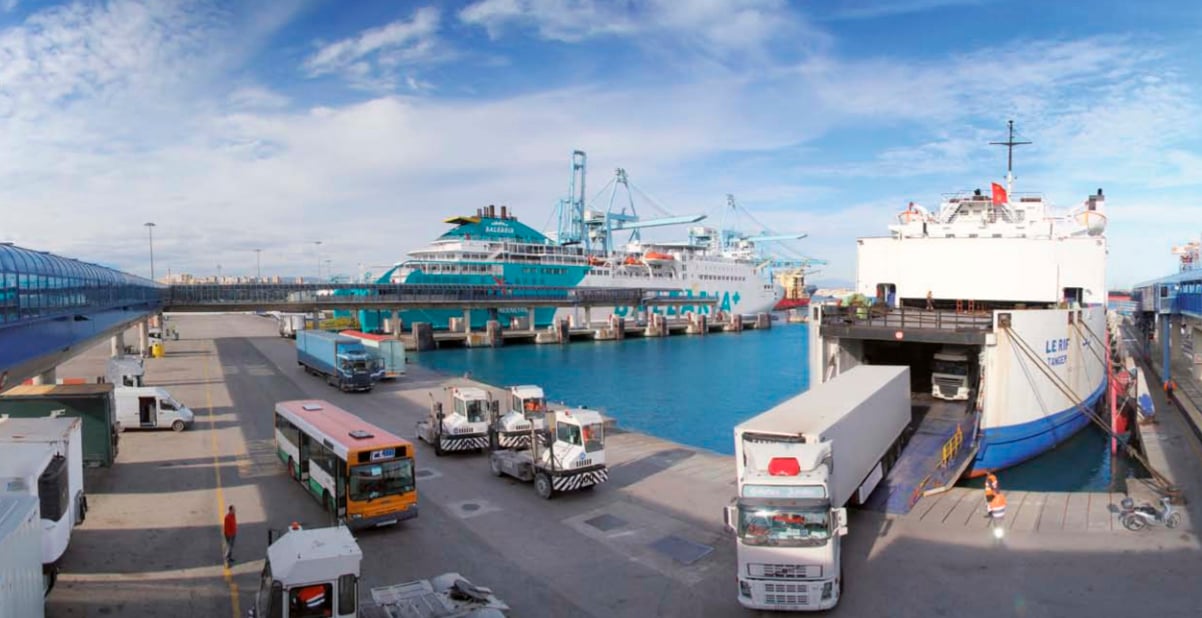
x=389, y=478
x=784, y=527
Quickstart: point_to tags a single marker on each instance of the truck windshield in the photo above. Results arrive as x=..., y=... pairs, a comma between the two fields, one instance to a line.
x=594, y=437
x=951, y=368
x=784, y=527
x=390, y=478
x=475, y=411
x=534, y=405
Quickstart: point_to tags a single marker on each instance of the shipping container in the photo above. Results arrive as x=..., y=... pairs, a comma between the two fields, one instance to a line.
x=91, y=402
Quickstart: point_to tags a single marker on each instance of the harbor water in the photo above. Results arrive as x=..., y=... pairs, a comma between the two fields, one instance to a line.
x=694, y=390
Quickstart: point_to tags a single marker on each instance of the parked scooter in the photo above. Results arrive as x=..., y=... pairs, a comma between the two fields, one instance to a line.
x=1137, y=518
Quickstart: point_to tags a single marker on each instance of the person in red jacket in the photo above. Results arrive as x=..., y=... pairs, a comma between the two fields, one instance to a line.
x=230, y=529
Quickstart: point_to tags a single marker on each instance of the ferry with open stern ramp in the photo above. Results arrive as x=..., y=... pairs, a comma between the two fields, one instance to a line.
x=998, y=304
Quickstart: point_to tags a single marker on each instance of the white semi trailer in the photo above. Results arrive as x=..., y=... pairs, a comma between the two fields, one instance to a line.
x=22, y=590
x=798, y=465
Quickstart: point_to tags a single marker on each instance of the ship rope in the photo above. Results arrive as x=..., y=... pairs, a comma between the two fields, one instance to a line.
x=1059, y=383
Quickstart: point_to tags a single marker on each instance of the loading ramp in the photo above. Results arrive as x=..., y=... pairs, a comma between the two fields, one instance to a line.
x=940, y=448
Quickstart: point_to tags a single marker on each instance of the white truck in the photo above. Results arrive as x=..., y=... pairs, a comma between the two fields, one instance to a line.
x=527, y=410
x=290, y=323
x=316, y=573
x=149, y=407
x=797, y=466
x=22, y=593
x=949, y=374
x=125, y=371
x=465, y=428
x=44, y=471
x=567, y=455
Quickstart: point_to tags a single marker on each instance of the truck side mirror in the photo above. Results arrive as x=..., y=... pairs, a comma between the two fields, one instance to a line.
x=729, y=517
x=840, y=521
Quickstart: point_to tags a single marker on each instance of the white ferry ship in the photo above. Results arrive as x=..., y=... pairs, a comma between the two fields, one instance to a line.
x=995, y=302
x=494, y=248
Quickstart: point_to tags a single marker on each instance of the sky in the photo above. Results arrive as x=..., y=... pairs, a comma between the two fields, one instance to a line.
x=236, y=126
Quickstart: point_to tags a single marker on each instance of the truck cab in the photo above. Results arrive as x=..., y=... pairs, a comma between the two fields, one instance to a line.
x=786, y=528
x=568, y=454
x=150, y=407
x=464, y=427
x=527, y=411
x=949, y=374
x=310, y=573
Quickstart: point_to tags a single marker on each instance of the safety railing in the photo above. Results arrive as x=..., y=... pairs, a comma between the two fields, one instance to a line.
x=360, y=294
x=951, y=447
x=886, y=317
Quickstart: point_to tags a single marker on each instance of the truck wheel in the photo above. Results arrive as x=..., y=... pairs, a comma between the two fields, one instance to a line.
x=177, y=426
x=495, y=464
x=542, y=486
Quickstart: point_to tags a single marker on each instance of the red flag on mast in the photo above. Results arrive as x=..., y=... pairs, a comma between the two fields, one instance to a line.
x=999, y=195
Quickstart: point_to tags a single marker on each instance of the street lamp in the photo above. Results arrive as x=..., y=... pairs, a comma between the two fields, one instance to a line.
x=258, y=266
x=318, y=250
x=150, y=236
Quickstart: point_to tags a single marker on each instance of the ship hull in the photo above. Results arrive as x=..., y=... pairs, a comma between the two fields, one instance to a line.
x=1025, y=410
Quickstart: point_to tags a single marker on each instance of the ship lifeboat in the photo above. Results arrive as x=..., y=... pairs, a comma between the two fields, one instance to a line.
x=655, y=257
x=912, y=214
x=631, y=260
x=1093, y=221
x=596, y=261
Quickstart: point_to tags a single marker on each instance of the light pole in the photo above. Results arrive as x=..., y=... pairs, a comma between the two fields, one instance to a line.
x=150, y=236
x=258, y=266
x=317, y=243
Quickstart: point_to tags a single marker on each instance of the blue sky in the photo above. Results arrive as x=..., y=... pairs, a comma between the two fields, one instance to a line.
x=239, y=126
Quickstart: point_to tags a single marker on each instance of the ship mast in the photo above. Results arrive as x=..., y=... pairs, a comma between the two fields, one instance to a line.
x=1010, y=144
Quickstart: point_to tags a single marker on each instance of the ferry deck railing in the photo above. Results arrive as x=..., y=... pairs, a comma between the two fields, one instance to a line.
x=907, y=318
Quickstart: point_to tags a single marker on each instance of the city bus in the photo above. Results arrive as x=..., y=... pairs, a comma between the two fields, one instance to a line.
x=360, y=473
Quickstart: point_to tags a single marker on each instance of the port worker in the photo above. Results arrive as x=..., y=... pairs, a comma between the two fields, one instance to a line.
x=990, y=486
x=229, y=529
x=996, y=508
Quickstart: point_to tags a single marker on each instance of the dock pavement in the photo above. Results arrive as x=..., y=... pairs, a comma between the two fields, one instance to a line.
x=647, y=543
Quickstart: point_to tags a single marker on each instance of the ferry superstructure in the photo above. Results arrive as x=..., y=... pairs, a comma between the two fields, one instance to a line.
x=495, y=248
x=998, y=279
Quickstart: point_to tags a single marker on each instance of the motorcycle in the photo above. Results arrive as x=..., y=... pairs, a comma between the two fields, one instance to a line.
x=1136, y=518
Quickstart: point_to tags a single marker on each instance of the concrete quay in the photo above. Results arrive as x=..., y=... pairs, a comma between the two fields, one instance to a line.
x=647, y=543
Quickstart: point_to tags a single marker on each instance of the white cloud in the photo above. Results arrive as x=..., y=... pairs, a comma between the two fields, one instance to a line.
x=708, y=27
x=372, y=58
x=155, y=132
x=871, y=9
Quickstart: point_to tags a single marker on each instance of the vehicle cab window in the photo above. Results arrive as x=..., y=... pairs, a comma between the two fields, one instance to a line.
x=316, y=601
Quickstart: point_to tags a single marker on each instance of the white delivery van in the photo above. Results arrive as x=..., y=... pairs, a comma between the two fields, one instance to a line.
x=149, y=407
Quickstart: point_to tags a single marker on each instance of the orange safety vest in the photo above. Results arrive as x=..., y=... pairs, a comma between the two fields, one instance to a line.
x=997, y=505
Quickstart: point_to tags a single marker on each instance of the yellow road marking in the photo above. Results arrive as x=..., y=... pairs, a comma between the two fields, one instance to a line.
x=225, y=569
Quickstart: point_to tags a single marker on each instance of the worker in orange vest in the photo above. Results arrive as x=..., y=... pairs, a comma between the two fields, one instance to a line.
x=996, y=509
x=990, y=486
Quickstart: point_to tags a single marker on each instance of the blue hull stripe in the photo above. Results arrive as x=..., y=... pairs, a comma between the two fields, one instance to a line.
x=1002, y=447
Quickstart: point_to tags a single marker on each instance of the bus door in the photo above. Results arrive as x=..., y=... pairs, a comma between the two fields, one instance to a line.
x=340, y=486
x=303, y=448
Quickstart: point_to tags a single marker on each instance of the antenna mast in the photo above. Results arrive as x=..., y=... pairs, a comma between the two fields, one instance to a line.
x=1010, y=144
